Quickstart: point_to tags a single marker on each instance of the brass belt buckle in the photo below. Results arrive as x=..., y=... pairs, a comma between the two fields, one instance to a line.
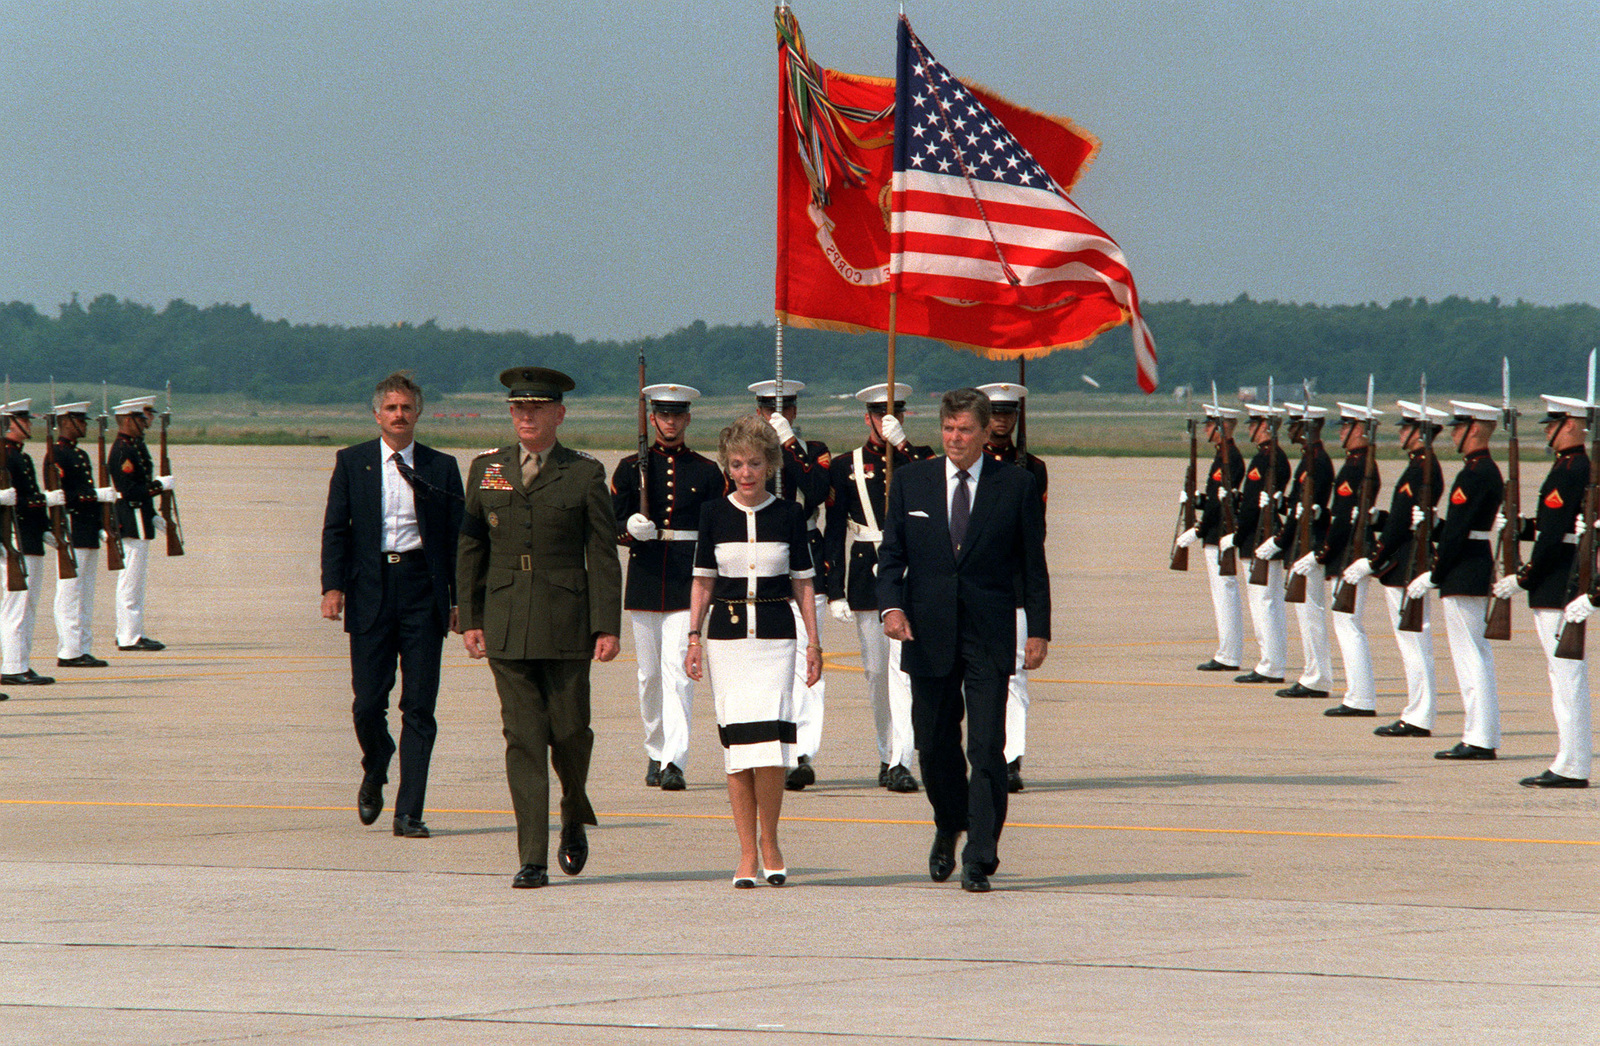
x=391, y=557
x=527, y=562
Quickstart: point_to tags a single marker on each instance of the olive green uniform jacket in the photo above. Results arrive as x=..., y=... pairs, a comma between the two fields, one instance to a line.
x=537, y=567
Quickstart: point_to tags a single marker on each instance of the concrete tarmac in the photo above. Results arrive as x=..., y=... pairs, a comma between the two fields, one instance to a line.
x=1193, y=861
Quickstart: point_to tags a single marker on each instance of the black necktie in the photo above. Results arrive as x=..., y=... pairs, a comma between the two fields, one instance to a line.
x=960, y=512
x=409, y=474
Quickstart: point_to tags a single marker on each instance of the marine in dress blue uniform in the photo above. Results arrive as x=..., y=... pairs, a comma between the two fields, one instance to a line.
x=660, y=537
x=74, y=601
x=133, y=473
x=1350, y=630
x=19, y=609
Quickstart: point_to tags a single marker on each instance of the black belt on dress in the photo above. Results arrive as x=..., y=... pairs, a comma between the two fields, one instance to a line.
x=414, y=556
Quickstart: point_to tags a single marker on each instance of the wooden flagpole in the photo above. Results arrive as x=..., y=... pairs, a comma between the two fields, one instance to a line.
x=888, y=451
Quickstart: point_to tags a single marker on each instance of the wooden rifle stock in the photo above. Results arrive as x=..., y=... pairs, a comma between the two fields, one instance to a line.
x=1267, y=519
x=1295, y=590
x=1228, y=558
x=66, y=558
x=169, y=501
x=1180, y=556
x=1422, y=541
x=1497, y=619
x=108, y=511
x=1570, y=643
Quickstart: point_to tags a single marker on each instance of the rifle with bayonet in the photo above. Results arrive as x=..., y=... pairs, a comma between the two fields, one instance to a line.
x=66, y=558
x=644, y=442
x=1311, y=435
x=108, y=510
x=1267, y=518
x=1570, y=641
x=1186, y=511
x=1411, y=609
x=1344, y=593
x=1228, y=558
x=1497, y=619
x=169, y=500
x=16, y=568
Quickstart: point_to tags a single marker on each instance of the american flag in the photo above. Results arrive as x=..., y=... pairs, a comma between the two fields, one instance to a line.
x=976, y=218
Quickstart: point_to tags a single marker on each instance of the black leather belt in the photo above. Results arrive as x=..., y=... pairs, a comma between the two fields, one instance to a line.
x=414, y=556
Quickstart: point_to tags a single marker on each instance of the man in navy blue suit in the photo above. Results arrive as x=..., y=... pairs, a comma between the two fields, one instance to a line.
x=389, y=563
x=963, y=536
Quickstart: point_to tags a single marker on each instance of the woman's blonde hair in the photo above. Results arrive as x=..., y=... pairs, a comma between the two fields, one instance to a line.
x=749, y=433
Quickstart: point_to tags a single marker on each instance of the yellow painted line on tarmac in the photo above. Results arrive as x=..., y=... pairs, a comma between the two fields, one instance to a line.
x=1046, y=826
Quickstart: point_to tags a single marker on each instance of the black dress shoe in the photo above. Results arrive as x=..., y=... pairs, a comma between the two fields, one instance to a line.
x=1462, y=750
x=900, y=780
x=369, y=800
x=81, y=661
x=530, y=877
x=1401, y=728
x=1343, y=710
x=574, y=849
x=942, y=858
x=1256, y=677
x=1014, y=775
x=800, y=776
x=1301, y=691
x=652, y=774
x=28, y=678
x=883, y=775
x=672, y=778
x=143, y=643
x=410, y=827
x=1216, y=666
x=1551, y=779
x=5, y=697
x=973, y=879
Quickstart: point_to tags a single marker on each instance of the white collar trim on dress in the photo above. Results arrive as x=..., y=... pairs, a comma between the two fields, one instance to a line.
x=733, y=498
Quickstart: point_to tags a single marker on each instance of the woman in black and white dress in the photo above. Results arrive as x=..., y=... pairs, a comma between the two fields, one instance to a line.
x=752, y=560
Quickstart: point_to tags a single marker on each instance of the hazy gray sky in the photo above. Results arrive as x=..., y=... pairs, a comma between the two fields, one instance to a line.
x=607, y=170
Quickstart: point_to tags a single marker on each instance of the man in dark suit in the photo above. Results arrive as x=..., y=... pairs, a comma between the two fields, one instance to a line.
x=389, y=563
x=963, y=537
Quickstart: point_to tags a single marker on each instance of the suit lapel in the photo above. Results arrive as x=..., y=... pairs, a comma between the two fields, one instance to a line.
x=370, y=476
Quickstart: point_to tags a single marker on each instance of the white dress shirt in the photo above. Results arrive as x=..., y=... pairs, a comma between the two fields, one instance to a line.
x=400, y=530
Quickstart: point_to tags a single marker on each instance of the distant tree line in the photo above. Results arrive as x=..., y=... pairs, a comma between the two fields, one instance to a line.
x=231, y=349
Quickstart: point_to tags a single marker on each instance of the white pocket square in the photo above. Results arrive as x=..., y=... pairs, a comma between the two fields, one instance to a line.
x=917, y=512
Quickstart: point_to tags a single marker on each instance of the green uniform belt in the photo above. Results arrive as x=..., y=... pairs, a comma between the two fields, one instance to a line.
x=536, y=561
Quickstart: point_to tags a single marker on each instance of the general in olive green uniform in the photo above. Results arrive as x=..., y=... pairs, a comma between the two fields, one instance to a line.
x=540, y=592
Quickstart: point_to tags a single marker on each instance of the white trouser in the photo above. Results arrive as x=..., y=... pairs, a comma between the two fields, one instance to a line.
x=1017, y=696
x=1270, y=621
x=807, y=699
x=1569, y=700
x=17, y=611
x=75, y=607
x=1473, y=658
x=1227, y=605
x=889, y=690
x=1416, y=656
x=1350, y=630
x=1313, y=617
x=666, y=693
x=130, y=590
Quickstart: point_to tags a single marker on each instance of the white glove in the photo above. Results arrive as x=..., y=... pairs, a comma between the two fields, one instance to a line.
x=161, y=524
x=108, y=495
x=49, y=539
x=1267, y=549
x=1417, y=516
x=165, y=481
x=781, y=426
x=1183, y=496
x=1499, y=524
x=1579, y=525
x=894, y=433
x=8, y=496
x=1265, y=499
x=55, y=498
x=1304, y=564
x=1506, y=587
x=1358, y=571
x=1420, y=585
x=840, y=609
x=1188, y=537
x=640, y=528
x=1578, y=610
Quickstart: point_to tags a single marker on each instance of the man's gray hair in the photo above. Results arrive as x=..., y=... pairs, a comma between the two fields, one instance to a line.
x=966, y=401
x=399, y=381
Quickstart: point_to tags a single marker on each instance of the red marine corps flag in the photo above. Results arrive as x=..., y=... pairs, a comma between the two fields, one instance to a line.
x=835, y=165
x=977, y=217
